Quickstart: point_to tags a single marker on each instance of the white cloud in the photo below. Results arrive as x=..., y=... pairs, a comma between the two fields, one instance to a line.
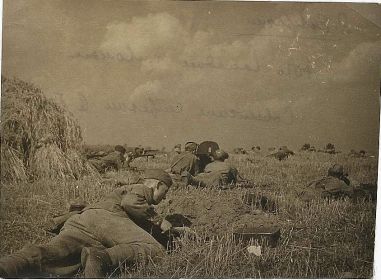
x=150, y=89
x=162, y=43
x=360, y=64
x=144, y=37
x=268, y=50
x=244, y=54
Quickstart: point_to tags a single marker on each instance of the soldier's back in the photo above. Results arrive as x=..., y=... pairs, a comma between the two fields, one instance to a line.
x=332, y=187
x=218, y=166
x=185, y=161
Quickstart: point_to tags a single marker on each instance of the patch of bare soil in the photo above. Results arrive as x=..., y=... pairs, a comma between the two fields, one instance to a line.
x=216, y=212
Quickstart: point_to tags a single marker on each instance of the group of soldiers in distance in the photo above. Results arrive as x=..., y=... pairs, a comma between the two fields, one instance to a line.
x=123, y=227
x=283, y=152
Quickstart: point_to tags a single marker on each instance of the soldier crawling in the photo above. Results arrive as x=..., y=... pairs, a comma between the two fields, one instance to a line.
x=337, y=185
x=101, y=236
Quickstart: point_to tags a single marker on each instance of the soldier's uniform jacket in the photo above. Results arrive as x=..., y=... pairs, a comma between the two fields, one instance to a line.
x=218, y=166
x=186, y=161
x=134, y=200
x=227, y=172
x=216, y=173
x=112, y=160
x=119, y=223
x=331, y=186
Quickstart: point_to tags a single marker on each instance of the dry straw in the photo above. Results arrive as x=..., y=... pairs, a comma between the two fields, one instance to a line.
x=12, y=167
x=39, y=138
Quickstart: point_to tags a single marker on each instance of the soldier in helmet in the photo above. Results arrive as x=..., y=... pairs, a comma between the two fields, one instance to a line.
x=282, y=153
x=286, y=150
x=279, y=155
x=177, y=149
x=335, y=185
x=216, y=173
x=338, y=185
x=101, y=236
x=186, y=161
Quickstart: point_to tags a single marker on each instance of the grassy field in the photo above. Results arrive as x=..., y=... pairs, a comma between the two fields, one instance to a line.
x=322, y=239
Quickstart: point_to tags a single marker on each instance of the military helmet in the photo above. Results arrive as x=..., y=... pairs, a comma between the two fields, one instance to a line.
x=120, y=149
x=336, y=170
x=158, y=174
x=220, y=155
x=190, y=146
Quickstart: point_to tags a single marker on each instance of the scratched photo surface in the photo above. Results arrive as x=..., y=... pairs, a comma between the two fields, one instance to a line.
x=288, y=91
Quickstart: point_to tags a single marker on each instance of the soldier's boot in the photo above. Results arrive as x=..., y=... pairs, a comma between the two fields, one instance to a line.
x=11, y=267
x=96, y=262
x=25, y=261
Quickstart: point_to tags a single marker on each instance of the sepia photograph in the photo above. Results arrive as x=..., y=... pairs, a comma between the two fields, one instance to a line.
x=189, y=139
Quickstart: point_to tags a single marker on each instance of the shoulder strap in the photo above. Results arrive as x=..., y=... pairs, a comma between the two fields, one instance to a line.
x=177, y=161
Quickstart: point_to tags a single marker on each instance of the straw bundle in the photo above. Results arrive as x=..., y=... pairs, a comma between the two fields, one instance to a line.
x=40, y=131
x=47, y=159
x=79, y=164
x=12, y=167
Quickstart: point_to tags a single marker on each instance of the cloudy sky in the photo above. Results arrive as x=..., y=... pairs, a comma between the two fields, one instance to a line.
x=239, y=73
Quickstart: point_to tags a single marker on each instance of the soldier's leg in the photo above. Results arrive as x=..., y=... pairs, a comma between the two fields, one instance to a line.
x=98, y=262
x=125, y=243
x=135, y=253
x=339, y=192
x=129, y=242
x=34, y=258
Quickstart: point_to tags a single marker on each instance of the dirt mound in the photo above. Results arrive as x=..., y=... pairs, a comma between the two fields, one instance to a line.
x=215, y=212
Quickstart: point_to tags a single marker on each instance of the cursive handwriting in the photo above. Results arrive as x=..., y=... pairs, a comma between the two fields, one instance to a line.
x=319, y=23
x=103, y=56
x=153, y=106
x=266, y=116
x=285, y=116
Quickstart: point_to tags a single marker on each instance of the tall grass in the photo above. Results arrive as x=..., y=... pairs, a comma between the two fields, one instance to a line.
x=320, y=239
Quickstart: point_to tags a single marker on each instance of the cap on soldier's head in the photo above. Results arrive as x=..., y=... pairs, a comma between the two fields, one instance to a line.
x=178, y=146
x=190, y=146
x=336, y=170
x=120, y=149
x=220, y=155
x=158, y=174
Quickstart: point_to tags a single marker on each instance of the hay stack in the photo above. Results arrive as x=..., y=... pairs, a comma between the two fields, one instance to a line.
x=43, y=134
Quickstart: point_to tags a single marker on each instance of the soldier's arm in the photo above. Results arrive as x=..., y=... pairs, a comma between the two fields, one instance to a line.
x=135, y=205
x=197, y=166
